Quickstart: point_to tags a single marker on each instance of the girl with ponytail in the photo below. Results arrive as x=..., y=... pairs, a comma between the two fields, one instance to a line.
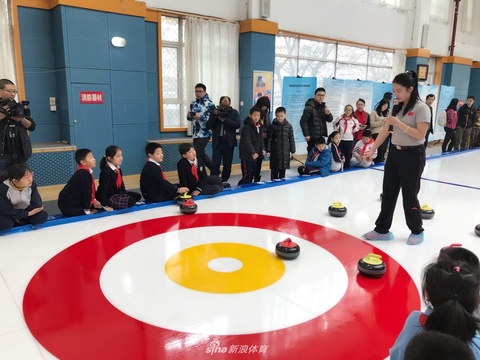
x=409, y=121
x=450, y=290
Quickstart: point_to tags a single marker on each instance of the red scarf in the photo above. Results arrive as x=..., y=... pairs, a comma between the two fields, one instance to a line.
x=83, y=167
x=194, y=171
x=119, y=180
x=365, y=146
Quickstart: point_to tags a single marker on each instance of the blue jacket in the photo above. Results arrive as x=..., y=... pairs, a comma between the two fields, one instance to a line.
x=323, y=162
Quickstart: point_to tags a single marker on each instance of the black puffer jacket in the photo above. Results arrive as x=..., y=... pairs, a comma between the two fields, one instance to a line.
x=314, y=120
x=251, y=140
x=280, y=144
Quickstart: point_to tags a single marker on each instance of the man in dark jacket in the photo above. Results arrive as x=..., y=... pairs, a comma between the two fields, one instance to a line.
x=315, y=117
x=224, y=122
x=466, y=118
x=251, y=146
x=15, y=120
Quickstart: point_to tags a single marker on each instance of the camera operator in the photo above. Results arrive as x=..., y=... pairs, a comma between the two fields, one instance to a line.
x=224, y=122
x=15, y=146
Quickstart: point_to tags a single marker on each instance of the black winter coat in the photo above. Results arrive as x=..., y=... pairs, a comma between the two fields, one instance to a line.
x=251, y=140
x=314, y=120
x=230, y=125
x=280, y=144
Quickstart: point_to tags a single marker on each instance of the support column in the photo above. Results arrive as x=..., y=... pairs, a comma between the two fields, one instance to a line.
x=416, y=57
x=456, y=72
x=257, y=52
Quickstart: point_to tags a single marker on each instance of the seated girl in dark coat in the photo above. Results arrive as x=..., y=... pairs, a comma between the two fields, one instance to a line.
x=20, y=202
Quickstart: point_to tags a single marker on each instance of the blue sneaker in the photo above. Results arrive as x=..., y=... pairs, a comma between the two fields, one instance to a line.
x=373, y=235
x=415, y=239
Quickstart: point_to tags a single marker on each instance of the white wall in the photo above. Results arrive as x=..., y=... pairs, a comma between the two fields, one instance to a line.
x=233, y=10
x=349, y=20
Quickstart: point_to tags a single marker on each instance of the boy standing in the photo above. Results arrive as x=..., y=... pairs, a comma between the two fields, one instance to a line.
x=153, y=183
x=192, y=174
x=78, y=195
x=280, y=144
x=251, y=146
x=361, y=148
x=318, y=160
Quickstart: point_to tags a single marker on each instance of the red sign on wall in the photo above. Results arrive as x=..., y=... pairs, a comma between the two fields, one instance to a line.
x=91, y=97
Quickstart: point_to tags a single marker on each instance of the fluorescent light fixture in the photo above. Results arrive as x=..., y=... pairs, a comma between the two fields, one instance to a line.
x=118, y=41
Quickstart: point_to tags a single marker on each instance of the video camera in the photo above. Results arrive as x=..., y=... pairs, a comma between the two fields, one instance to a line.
x=222, y=113
x=19, y=109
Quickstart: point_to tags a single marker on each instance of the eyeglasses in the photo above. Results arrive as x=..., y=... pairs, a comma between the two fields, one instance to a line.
x=11, y=91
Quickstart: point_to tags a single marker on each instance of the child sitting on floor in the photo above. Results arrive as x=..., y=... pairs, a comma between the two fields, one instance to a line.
x=361, y=148
x=318, y=160
x=20, y=202
x=111, y=188
x=153, y=183
x=78, y=195
x=192, y=174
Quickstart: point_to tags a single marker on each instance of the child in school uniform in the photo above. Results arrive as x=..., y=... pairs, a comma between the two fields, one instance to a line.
x=20, y=202
x=337, y=157
x=347, y=125
x=192, y=173
x=78, y=195
x=280, y=144
x=153, y=184
x=318, y=160
x=251, y=147
x=111, y=188
x=361, y=148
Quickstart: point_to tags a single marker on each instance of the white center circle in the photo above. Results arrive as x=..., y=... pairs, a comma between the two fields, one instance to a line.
x=135, y=282
x=225, y=264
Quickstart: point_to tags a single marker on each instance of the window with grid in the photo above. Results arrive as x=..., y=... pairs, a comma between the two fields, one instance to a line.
x=173, y=73
x=295, y=56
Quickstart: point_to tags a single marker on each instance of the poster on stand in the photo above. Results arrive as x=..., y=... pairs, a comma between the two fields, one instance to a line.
x=262, y=85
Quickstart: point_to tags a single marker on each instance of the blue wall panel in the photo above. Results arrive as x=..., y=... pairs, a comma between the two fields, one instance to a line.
x=132, y=140
x=475, y=85
x=59, y=36
x=52, y=167
x=88, y=41
x=151, y=48
x=129, y=97
x=458, y=75
x=132, y=56
x=89, y=76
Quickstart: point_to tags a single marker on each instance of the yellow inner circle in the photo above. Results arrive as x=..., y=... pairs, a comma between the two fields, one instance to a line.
x=189, y=268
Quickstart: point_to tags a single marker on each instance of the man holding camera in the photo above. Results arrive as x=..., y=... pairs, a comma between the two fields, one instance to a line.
x=15, y=146
x=199, y=113
x=224, y=122
x=314, y=119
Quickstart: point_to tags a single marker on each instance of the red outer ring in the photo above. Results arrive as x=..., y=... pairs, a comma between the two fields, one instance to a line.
x=66, y=311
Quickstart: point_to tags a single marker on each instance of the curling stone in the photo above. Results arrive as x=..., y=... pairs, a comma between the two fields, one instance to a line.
x=188, y=207
x=337, y=209
x=287, y=249
x=372, y=266
x=182, y=198
x=427, y=212
x=477, y=229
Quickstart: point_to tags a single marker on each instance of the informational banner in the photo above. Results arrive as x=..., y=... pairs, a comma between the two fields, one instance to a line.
x=296, y=91
x=379, y=89
x=262, y=84
x=447, y=93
